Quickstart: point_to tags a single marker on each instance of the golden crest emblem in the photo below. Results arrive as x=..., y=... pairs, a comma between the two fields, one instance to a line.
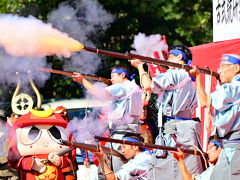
x=22, y=103
x=50, y=174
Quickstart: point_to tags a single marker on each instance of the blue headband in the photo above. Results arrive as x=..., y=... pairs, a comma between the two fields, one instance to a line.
x=120, y=71
x=230, y=59
x=216, y=143
x=135, y=140
x=131, y=139
x=176, y=52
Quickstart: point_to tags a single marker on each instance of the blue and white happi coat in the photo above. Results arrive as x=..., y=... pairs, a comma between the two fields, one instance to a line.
x=136, y=168
x=226, y=102
x=177, y=100
x=126, y=106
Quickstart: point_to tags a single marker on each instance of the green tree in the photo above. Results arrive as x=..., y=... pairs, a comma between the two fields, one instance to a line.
x=188, y=22
x=37, y=8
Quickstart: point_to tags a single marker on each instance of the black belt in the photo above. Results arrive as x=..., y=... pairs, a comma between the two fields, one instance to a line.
x=169, y=118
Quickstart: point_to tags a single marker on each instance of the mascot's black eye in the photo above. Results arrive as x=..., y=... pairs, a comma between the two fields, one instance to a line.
x=33, y=133
x=55, y=132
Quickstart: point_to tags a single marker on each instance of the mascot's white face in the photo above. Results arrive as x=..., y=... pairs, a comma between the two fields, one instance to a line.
x=40, y=139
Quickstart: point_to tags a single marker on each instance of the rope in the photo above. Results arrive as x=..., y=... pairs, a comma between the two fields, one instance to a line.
x=141, y=80
x=205, y=161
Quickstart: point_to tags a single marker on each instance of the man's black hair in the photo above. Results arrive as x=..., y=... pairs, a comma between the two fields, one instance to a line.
x=134, y=136
x=124, y=67
x=184, y=49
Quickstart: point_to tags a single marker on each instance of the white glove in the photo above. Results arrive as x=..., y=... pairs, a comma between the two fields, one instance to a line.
x=55, y=159
x=38, y=165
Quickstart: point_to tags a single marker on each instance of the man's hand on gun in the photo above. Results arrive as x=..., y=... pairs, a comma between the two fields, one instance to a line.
x=99, y=155
x=194, y=71
x=179, y=155
x=136, y=63
x=77, y=77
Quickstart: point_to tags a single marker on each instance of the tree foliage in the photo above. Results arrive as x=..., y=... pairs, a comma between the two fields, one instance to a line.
x=37, y=8
x=188, y=22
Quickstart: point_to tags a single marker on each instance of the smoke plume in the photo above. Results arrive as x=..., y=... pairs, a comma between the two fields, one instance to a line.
x=85, y=21
x=147, y=45
x=30, y=37
x=25, y=41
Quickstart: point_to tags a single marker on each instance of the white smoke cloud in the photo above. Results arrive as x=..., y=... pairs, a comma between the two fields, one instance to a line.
x=147, y=45
x=4, y=131
x=30, y=37
x=10, y=65
x=82, y=20
x=20, y=37
x=85, y=129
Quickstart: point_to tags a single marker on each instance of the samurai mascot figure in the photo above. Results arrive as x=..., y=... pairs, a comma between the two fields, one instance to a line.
x=34, y=145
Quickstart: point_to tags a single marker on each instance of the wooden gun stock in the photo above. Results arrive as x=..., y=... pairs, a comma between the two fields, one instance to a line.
x=148, y=145
x=148, y=60
x=94, y=148
x=69, y=74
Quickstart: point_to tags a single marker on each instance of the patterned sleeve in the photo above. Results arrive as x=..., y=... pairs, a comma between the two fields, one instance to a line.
x=125, y=172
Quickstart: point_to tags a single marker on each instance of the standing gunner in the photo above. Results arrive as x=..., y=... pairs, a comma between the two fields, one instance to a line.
x=177, y=100
x=126, y=107
x=226, y=102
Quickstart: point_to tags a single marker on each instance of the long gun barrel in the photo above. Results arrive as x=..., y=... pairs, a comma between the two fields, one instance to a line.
x=94, y=148
x=148, y=60
x=69, y=74
x=148, y=145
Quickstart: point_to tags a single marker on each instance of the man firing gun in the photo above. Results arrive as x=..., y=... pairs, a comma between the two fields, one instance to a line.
x=137, y=165
x=126, y=108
